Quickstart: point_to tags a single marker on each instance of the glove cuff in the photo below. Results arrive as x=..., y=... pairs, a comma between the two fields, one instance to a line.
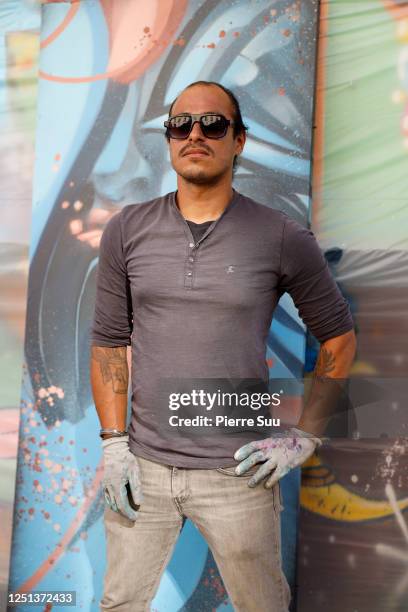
x=115, y=440
x=305, y=434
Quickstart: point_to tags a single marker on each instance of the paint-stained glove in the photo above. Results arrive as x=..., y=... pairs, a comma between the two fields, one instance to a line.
x=281, y=453
x=121, y=483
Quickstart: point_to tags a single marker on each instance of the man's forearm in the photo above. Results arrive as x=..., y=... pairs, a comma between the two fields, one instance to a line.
x=109, y=380
x=327, y=391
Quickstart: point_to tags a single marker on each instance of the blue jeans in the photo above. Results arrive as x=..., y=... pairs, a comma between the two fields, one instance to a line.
x=240, y=524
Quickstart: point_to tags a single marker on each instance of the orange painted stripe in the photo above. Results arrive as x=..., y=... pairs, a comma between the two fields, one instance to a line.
x=67, y=19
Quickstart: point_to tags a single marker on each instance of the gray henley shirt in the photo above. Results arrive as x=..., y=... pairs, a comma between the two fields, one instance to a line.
x=202, y=310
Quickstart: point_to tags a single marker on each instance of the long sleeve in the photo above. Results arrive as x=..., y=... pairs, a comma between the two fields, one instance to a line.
x=305, y=275
x=113, y=317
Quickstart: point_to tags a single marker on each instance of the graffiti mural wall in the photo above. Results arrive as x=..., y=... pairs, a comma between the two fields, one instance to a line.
x=108, y=73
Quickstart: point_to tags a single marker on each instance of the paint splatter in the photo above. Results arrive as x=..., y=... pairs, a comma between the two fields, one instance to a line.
x=389, y=462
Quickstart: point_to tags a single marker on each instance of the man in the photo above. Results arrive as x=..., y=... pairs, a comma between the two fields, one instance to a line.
x=191, y=280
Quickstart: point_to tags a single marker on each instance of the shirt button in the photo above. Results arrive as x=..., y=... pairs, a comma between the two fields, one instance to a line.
x=189, y=273
x=191, y=244
x=191, y=259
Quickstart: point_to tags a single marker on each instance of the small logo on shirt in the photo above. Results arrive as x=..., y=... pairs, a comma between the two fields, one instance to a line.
x=230, y=269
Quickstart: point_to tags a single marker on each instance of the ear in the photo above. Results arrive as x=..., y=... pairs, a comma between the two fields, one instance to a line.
x=240, y=140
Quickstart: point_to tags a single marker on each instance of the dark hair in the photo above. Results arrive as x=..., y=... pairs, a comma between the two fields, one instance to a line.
x=239, y=125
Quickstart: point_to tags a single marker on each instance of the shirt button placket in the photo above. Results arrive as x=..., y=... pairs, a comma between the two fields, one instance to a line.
x=188, y=277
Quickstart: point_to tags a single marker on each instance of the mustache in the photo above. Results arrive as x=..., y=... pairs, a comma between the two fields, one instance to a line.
x=190, y=148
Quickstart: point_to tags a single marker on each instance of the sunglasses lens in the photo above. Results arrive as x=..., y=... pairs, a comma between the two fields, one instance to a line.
x=214, y=126
x=179, y=127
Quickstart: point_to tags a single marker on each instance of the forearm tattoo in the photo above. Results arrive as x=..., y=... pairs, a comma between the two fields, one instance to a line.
x=113, y=366
x=328, y=393
x=325, y=362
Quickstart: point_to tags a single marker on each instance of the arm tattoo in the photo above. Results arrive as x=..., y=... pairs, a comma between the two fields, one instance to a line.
x=113, y=366
x=325, y=362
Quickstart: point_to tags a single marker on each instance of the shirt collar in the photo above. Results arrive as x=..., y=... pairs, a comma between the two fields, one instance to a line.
x=233, y=201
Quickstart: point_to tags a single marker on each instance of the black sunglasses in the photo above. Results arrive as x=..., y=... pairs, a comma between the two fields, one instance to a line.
x=213, y=125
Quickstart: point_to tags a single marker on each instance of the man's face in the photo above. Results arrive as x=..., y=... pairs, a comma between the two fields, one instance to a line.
x=217, y=155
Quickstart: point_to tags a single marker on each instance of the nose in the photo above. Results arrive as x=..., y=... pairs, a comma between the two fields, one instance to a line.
x=196, y=133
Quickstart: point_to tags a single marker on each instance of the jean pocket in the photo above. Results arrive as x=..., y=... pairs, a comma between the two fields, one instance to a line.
x=276, y=489
x=230, y=471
